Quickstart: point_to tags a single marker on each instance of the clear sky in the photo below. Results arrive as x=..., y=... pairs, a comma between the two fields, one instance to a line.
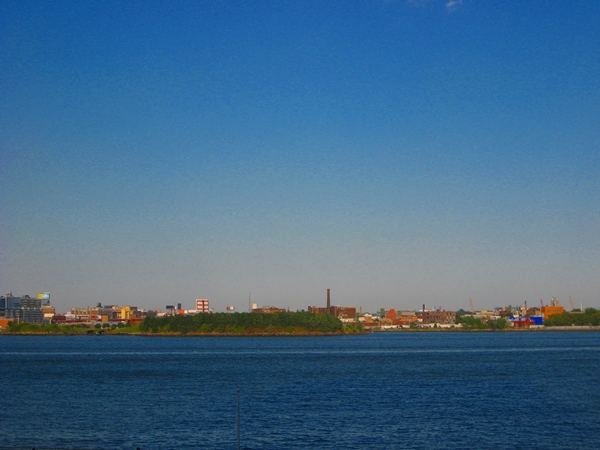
x=397, y=152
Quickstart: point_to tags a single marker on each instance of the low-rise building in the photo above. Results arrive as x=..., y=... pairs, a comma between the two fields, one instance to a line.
x=526, y=322
x=268, y=310
x=5, y=322
x=439, y=317
x=104, y=313
x=48, y=311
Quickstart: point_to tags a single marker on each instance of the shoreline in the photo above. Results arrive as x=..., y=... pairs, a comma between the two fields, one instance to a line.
x=506, y=330
x=309, y=334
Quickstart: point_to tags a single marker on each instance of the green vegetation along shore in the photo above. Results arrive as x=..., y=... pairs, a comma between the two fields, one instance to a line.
x=247, y=323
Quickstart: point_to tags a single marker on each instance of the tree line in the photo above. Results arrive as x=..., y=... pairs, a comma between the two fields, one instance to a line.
x=475, y=323
x=247, y=323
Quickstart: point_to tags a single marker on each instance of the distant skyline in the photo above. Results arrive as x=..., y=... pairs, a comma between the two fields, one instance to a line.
x=396, y=152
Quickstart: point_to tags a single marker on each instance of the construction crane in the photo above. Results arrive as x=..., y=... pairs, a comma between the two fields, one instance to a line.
x=572, y=304
x=472, y=307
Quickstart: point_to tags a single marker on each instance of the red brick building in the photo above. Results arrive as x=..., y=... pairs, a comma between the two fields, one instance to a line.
x=342, y=312
x=441, y=317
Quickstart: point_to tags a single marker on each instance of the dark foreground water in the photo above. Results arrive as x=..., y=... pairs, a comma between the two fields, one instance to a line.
x=405, y=390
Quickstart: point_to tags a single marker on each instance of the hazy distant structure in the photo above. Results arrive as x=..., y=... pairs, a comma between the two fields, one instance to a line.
x=202, y=305
x=554, y=301
x=329, y=301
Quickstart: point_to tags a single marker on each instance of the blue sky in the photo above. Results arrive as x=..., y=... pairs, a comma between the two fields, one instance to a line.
x=396, y=152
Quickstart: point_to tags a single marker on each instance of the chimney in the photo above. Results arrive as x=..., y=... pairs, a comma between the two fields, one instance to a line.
x=328, y=301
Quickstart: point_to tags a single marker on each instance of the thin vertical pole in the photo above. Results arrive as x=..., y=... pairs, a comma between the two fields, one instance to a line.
x=238, y=418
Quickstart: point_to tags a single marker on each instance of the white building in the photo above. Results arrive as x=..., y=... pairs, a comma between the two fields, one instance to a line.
x=202, y=305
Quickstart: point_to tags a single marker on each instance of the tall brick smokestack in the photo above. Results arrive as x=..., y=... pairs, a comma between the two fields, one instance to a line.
x=328, y=301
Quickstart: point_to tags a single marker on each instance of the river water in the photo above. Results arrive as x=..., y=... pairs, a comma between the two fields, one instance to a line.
x=383, y=390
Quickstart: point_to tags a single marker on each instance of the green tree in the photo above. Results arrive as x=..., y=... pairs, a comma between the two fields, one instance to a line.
x=461, y=312
x=471, y=322
x=498, y=324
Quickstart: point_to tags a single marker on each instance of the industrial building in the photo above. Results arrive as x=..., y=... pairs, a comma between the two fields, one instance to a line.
x=341, y=312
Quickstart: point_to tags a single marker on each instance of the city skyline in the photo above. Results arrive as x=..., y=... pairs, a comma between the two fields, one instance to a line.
x=396, y=152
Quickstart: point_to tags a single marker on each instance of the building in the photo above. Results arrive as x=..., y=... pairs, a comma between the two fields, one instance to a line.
x=5, y=322
x=341, y=312
x=548, y=311
x=104, y=313
x=21, y=309
x=202, y=305
x=318, y=309
x=10, y=307
x=268, y=310
x=391, y=314
x=405, y=318
x=127, y=312
x=526, y=322
x=441, y=317
x=48, y=312
x=32, y=310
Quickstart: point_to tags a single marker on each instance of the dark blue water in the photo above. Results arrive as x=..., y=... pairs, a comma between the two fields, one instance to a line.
x=405, y=390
